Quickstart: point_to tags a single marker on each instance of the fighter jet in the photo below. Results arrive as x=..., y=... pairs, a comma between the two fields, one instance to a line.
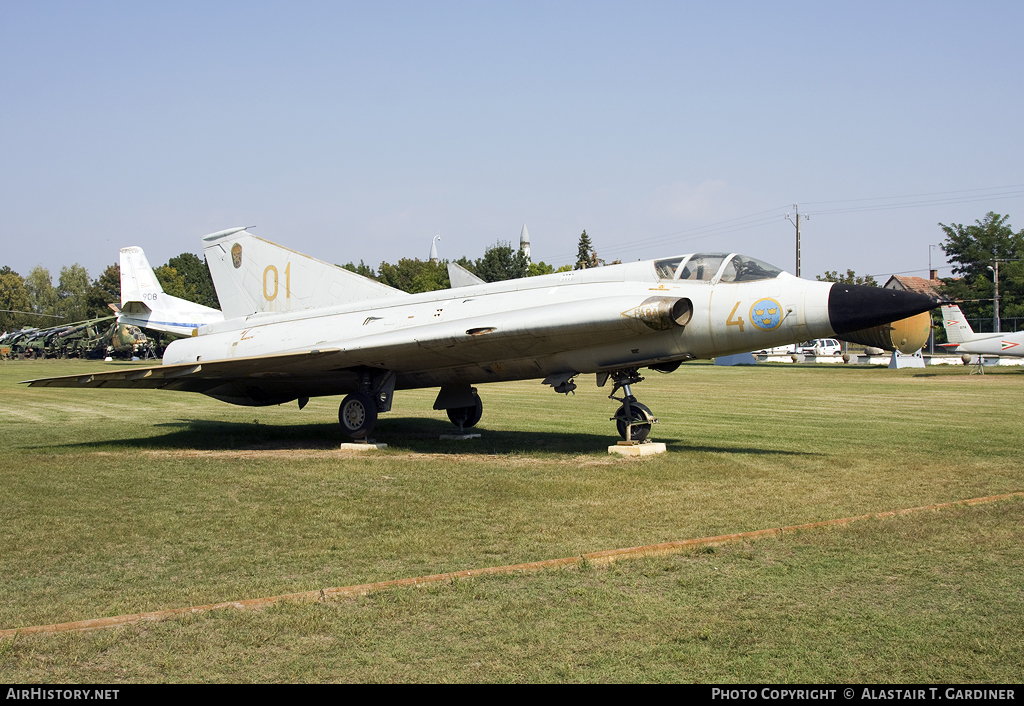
x=963, y=339
x=295, y=327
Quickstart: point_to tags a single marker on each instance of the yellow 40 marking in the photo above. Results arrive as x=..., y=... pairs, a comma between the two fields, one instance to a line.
x=737, y=321
x=271, y=296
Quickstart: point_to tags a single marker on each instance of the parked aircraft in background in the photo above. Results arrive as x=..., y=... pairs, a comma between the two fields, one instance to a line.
x=295, y=327
x=963, y=339
x=145, y=304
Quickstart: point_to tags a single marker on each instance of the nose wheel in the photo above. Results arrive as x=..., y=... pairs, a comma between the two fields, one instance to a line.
x=632, y=420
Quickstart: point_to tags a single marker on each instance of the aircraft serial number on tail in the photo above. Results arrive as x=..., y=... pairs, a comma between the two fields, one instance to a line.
x=271, y=296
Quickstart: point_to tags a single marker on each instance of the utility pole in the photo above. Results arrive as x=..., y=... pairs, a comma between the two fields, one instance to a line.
x=796, y=222
x=932, y=275
x=994, y=268
x=995, y=308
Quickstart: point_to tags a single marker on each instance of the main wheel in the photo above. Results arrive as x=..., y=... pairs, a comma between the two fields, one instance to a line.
x=469, y=415
x=358, y=415
x=640, y=413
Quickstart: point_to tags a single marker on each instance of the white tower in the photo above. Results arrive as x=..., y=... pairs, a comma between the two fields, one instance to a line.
x=524, y=242
x=433, y=248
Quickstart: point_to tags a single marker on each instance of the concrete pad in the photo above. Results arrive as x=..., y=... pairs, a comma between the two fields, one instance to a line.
x=364, y=446
x=648, y=448
x=459, y=437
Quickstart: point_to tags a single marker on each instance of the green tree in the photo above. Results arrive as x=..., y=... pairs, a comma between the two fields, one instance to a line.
x=42, y=295
x=850, y=277
x=198, y=282
x=13, y=298
x=501, y=262
x=106, y=289
x=539, y=268
x=361, y=269
x=414, y=275
x=173, y=282
x=72, y=293
x=586, y=256
x=971, y=250
x=466, y=263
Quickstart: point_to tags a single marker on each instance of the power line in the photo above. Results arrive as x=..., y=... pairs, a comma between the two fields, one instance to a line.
x=756, y=220
x=914, y=196
x=918, y=204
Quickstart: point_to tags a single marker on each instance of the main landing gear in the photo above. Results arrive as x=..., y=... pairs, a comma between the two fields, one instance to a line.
x=358, y=411
x=462, y=404
x=632, y=420
x=466, y=417
x=358, y=415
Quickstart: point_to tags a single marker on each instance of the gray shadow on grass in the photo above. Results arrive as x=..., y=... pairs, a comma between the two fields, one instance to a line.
x=409, y=434
x=675, y=445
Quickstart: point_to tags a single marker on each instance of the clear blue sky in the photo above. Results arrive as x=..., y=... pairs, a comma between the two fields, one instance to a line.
x=357, y=131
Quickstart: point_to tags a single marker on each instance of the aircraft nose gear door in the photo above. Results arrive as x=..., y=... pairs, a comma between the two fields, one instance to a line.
x=632, y=420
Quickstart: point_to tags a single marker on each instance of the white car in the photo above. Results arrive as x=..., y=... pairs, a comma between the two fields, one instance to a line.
x=822, y=346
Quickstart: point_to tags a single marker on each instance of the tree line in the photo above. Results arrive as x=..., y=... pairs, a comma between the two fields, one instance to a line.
x=500, y=262
x=34, y=300
x=972, y=251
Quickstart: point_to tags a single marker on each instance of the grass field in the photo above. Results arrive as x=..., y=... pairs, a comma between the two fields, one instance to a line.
x=121, y=502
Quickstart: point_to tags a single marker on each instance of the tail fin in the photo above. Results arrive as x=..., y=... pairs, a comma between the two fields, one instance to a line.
x=957, y=329
x=461, y=277
x=145, y=304
x=253, y=275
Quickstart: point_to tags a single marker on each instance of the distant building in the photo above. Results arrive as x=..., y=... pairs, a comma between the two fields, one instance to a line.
x=524, y=243
x=920, y=285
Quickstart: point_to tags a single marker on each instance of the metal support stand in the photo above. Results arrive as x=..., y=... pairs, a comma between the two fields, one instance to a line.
x=625, y=379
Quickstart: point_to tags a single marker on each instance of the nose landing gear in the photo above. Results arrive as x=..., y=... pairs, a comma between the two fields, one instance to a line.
x=632, y=420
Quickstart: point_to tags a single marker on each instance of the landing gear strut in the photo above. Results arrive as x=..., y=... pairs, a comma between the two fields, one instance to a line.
x=632, y=420
x=358, y=411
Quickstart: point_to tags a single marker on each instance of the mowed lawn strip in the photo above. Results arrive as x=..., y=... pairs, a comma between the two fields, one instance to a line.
x=928, y=597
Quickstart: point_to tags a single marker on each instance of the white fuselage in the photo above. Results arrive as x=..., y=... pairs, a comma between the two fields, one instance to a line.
x=582, y=321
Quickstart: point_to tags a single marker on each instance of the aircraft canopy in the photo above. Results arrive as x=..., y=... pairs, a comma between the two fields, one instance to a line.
x=715, y=266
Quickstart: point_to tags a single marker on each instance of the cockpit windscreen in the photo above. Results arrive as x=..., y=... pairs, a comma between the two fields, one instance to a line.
x=747, y=269
x=702, y=267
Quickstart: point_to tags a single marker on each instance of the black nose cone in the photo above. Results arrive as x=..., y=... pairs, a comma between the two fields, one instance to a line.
x=852, y=307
